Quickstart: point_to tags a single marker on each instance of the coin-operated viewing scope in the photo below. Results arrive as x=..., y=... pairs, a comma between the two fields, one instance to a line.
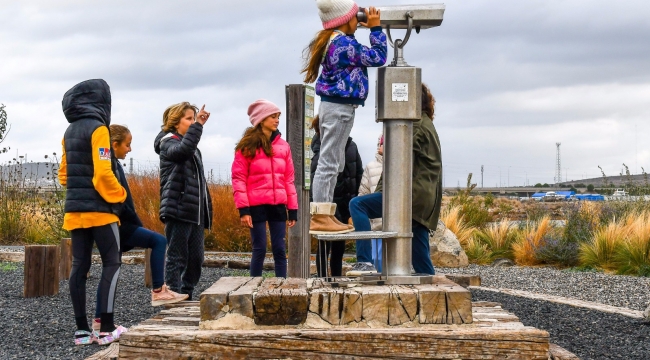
x=408, y=17
x=399, y=85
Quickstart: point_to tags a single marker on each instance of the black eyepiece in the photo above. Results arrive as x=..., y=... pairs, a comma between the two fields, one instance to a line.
x=361, y=15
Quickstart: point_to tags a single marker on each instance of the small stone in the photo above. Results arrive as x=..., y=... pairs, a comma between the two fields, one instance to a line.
x=502, y=262
x=646, y=313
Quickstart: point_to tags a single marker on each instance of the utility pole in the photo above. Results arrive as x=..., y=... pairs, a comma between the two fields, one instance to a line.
x=558, y=166
x=131, y=166
x=481, y=176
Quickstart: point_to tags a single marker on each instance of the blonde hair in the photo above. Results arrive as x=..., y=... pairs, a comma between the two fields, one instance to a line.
x=119, y=133
x=313, y=54
x=173, y=115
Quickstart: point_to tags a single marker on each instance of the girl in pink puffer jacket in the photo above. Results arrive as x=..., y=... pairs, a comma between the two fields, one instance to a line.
x=262, y=184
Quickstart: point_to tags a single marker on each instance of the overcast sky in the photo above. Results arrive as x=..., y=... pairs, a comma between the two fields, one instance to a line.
x=511, y=78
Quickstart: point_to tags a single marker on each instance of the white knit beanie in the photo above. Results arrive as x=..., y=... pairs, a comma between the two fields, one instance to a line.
x=334, y=13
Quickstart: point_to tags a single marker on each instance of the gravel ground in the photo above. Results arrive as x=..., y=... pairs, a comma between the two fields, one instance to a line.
x=42, y=328
x=616, y=290
x=587, y=333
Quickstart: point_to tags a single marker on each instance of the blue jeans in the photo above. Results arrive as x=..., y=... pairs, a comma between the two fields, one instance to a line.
x=258, y=233
x=364, y=208
x=145, y=238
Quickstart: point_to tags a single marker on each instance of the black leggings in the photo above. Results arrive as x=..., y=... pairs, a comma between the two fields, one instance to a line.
x=107, y=238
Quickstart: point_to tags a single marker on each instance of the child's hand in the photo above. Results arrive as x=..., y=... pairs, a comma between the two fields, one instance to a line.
x=373, y=17
x=246, y=221
x=291, y=223
x=202, y=116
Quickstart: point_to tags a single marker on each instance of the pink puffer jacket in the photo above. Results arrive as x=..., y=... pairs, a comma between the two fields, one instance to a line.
x=265, y=180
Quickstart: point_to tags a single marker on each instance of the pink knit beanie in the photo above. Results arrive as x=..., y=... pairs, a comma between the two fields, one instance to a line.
x=334, y=13
x=260, y=110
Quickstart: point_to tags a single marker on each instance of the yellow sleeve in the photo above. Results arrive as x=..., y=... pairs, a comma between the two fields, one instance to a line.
x=63, y=168
x=104, y=179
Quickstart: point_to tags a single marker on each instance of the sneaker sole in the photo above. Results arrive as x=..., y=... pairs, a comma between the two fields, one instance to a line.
x=320, y=232
x=360, y=273
x=170, y=301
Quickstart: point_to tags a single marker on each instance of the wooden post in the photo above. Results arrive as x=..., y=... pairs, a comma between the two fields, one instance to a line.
x=300, y=110
x=65, y=259
x=147, y=268
x=41, y=270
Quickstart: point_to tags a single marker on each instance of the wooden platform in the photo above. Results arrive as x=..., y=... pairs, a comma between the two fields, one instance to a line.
x=174, y=334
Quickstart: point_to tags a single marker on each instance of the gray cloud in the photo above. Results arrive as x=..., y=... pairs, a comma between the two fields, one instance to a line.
x=511, y=78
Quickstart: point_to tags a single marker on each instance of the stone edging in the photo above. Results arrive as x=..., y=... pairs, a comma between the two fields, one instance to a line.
x=567, y=301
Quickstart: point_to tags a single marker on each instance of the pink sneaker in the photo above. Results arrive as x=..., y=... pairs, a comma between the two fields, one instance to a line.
x=105, y=338
x=166, y=296
x=83, y=337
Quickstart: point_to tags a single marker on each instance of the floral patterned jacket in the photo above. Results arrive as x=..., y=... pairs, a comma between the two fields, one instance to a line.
x=344, y=76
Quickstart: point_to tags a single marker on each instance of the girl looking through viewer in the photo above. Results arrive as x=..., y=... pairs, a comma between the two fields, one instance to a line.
x=342, y=86
x=262, y=183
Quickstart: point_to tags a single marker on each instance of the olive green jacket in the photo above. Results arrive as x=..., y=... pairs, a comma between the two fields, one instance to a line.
x=427, y=174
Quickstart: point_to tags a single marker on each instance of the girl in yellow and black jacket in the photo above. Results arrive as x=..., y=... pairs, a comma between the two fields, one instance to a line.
x=92, y=205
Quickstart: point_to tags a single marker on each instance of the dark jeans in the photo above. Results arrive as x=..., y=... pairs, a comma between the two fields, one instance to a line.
x=364, y=208
x=147, y=239
x=107, y=239
x=184, y=256
x=258, y=233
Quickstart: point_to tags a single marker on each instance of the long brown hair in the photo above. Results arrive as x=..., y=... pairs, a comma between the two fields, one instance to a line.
x=428, y=102
x=313, y=54
x=173, y=115
x=252, y=140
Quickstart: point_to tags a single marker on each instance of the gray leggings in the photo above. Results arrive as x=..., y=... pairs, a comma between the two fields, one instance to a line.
x=336, y=122
x=107, y=238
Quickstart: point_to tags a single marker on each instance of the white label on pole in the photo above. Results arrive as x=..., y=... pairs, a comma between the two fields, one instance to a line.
x=309, y=91
x=400, y=92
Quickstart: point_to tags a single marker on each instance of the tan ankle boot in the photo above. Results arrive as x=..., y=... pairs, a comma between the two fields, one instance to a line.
x=323, y=220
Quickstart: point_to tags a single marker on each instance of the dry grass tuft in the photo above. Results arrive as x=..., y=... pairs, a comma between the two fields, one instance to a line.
x=456, y=223
x=498, y=237
x=530, y=239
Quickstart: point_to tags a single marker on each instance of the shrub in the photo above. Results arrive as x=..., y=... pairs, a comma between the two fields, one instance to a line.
x=477, y=252
x=581, y=221
x=600, y=250
x=555, y=250
x=472, y=208
x=632, y=257
x=498, y=238
x=455, y=222
x=530, y=239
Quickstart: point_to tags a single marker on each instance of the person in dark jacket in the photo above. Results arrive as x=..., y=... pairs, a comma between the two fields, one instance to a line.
x=347, y=188
x=185, y=203
x=93, y=202
x=427, y=189
x=132, y=234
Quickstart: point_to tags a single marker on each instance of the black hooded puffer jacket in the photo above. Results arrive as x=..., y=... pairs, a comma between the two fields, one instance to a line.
x=184, y=194
x=86, y=106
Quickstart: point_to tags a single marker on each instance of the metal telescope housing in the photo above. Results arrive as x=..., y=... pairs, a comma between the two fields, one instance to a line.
x=423, y=16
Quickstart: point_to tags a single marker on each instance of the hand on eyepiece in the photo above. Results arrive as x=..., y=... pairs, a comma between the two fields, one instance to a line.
x=373, y=17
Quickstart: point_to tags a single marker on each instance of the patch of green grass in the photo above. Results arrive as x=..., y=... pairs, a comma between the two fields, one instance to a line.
x=351, y=260
x=644, y=271
x=583, y=268
x=7, y=266
x=246, y=273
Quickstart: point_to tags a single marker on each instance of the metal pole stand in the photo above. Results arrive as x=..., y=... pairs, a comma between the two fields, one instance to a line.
x=399, y=104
